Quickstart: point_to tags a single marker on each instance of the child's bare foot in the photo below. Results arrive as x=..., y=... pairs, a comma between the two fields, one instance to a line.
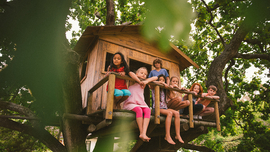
x=179, y=139
x=169, y=140
x=144, y=138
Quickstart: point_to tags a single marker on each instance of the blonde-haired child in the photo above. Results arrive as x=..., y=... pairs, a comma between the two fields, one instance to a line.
x=136, y=103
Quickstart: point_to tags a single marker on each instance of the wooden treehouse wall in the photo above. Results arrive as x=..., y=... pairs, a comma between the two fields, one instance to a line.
x=133, y=47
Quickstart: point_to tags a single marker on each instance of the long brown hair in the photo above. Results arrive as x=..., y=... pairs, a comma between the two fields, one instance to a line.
x=200, y=88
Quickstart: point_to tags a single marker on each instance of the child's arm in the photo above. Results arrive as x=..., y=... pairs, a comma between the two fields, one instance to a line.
x=168, y=81
x=134, y=76
x=154, y=78
x=199, y=101
x=214, y=97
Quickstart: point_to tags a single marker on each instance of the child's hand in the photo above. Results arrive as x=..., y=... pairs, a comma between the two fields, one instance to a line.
x=174, y=86
x=166, y=85
x=183, y=89
x=194, y=92
x=108, y=72
x=122, y=73
x=142, y=84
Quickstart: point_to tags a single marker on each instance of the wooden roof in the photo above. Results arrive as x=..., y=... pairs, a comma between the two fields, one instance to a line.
x=92, y=33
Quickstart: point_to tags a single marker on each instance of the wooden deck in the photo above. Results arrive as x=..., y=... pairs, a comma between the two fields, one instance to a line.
x=114, y=122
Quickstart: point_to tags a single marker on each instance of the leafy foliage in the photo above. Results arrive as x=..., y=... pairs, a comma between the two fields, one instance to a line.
x=247, y=121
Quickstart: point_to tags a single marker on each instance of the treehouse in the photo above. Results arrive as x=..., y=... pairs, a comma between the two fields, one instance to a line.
x=96, y=46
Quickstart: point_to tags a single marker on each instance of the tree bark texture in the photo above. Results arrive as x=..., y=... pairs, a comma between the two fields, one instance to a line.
x=74, y=131
x=110, y=19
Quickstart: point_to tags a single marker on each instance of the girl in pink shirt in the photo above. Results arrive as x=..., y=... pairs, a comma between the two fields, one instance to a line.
x=136, y=103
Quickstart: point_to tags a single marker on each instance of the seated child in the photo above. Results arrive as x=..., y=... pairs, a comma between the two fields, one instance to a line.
x=197, y=89
x=211, y=91
x=136, y=103
x=169, y=114
x=174, y=96
x=118, y=64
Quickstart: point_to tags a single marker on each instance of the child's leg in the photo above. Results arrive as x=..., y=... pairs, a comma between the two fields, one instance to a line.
x=139, y=118
x=146, y=120
x=207, y=111
x=126, y=94
x=177, y=125
x=182, y=104
x=197, y=108
x=118, y=94
x=168, y=121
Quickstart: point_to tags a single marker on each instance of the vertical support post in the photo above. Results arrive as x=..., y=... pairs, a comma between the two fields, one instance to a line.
x=89, y=103
x=191, y=123
x=217, y=116
x=110, y=97
x=157, y=105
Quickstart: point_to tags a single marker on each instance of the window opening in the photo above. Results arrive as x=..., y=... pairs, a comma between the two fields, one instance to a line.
x=83, y=72
x=108, y=60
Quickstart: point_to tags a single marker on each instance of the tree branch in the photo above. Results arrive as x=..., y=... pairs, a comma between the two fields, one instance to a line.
x=18, y=108
x=211, y=24
x=226, y=74
x=255, y=42
x=253, y=56
x=39, y=133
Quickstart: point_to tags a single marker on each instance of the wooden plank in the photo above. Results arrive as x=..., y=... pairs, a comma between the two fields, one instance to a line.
x=99, y=84
x=191, y=124
x=103, y=124
x=157, y=105
x=162, y=56
x=89, y=107
x=217, y=116
x=131, y=126
x=110, y=97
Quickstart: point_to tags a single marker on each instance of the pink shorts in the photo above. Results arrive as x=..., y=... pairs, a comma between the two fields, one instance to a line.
x=142, y=110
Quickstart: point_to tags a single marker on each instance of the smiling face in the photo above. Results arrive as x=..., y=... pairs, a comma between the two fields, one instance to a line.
x=211, y=92
x=141, y=73
x=117, y=60
x=196, y=89
x=174, y=81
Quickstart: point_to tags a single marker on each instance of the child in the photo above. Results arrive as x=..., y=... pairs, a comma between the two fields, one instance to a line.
x=163, y=104
x=157, y=63
x=197, y=89
x=169, y=113
x=119, y=65
x=211, y=91
x=174, y=98
x=136, y=103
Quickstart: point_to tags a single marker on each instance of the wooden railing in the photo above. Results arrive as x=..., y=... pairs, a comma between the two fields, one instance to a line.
x=110, y=99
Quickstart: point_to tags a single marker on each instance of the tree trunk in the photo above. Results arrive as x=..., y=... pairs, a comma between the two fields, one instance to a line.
x=74, y=131
x=110, y=19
